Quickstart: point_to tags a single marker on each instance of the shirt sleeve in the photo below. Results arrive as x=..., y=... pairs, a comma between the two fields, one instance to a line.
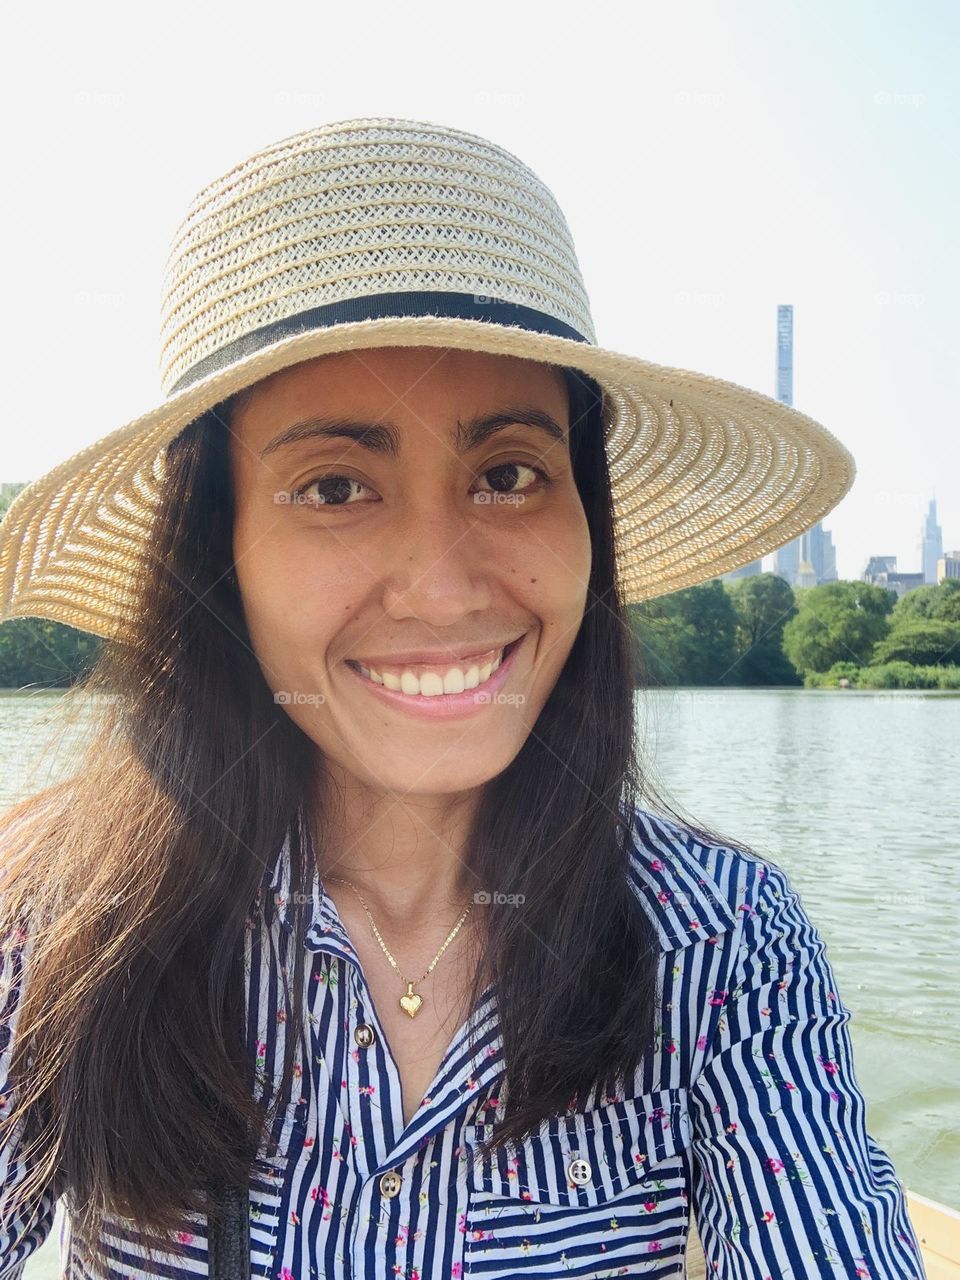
x=786, y=1181
x=21, y=1232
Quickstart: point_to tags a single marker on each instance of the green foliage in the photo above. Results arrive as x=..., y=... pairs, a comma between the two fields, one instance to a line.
x=921, y=641
x=948, y=607
x=7, y=494
x=717, y=633
x=922, y=602
x=835, y=622
x=892, y=675
x=898, y=675
x=36, y=651
x=760, y=631
x=849, y=671
x=763, y=604
x=937, y=603
x=686, y=637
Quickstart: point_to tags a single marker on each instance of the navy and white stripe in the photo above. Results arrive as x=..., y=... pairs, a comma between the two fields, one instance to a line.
x=747, y=1114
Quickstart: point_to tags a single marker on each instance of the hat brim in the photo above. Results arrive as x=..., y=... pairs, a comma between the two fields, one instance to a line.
x=706, y=475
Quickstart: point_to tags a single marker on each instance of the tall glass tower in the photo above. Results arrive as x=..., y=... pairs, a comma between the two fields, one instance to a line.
x=931, y=544
x=811, y=558
x=785, y=354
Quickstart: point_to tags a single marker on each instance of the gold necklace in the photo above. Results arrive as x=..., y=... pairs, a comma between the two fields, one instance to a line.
x=410, y=1001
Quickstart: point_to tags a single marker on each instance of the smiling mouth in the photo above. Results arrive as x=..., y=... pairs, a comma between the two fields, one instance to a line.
x=441, y=678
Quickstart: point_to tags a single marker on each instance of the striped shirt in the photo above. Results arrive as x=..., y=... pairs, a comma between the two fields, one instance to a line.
x=746, y=1113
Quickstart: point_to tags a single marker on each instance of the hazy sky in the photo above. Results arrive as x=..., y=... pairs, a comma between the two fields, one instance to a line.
x=713, y=160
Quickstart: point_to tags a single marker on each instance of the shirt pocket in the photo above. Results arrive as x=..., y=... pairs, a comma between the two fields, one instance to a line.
x=623, y=1211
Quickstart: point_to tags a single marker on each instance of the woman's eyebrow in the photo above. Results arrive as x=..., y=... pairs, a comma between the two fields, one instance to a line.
x=384, y=437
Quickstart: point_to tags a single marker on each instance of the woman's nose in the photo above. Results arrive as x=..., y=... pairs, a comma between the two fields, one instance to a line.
x=433, y=563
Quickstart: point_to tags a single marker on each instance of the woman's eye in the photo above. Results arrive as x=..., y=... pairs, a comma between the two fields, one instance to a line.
x=332, y=491
x=507, y=473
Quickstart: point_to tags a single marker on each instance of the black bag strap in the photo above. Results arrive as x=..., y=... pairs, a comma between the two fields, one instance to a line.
x=229, y=1238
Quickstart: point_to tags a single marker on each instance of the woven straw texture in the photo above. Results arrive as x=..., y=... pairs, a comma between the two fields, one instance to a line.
x=706, y=475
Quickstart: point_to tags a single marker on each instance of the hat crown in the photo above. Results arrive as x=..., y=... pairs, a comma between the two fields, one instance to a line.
x=356, y=209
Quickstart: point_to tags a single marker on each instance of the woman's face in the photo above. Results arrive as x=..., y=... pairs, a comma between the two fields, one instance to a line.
x=409, y=536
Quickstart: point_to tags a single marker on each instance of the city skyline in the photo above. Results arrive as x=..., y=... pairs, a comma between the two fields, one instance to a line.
x=811, y=558
x=931, y=548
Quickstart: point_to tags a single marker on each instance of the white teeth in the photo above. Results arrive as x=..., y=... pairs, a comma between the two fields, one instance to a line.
x=455, y=680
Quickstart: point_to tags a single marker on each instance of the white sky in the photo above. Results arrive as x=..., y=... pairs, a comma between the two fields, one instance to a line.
x=712, y=159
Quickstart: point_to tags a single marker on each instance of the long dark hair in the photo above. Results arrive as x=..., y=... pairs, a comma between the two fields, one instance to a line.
x=134, y=878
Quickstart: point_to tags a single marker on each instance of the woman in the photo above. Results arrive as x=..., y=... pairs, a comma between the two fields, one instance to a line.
x=350, y=949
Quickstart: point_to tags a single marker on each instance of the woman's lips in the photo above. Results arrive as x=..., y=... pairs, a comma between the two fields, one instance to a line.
x=442, y=705
x=419, y=663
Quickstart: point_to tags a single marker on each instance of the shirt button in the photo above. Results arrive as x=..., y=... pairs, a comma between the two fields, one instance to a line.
x=579, y=1171
x=390, y=1183
x=364, y=1035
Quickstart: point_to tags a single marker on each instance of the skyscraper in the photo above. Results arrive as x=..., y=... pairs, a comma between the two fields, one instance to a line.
x=785, y=354
x=931, y=544
x=786, y=557
x=811, y=558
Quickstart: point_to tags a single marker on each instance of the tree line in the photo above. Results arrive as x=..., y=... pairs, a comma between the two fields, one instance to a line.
x=761, y=631
x=745, y=632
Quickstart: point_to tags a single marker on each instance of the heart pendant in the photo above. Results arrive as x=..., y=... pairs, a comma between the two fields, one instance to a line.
x=410, y=1002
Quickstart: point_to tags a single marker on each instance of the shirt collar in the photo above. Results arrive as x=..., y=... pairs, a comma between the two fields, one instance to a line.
x=324, y=928
x=669, y=869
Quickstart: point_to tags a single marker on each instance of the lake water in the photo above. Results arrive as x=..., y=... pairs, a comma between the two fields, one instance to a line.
x=857, y=796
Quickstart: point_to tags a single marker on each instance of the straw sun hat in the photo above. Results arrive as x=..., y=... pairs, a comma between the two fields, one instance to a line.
x=386, y=232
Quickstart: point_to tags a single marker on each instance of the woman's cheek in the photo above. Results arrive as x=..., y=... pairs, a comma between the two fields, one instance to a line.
x=568, y=554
